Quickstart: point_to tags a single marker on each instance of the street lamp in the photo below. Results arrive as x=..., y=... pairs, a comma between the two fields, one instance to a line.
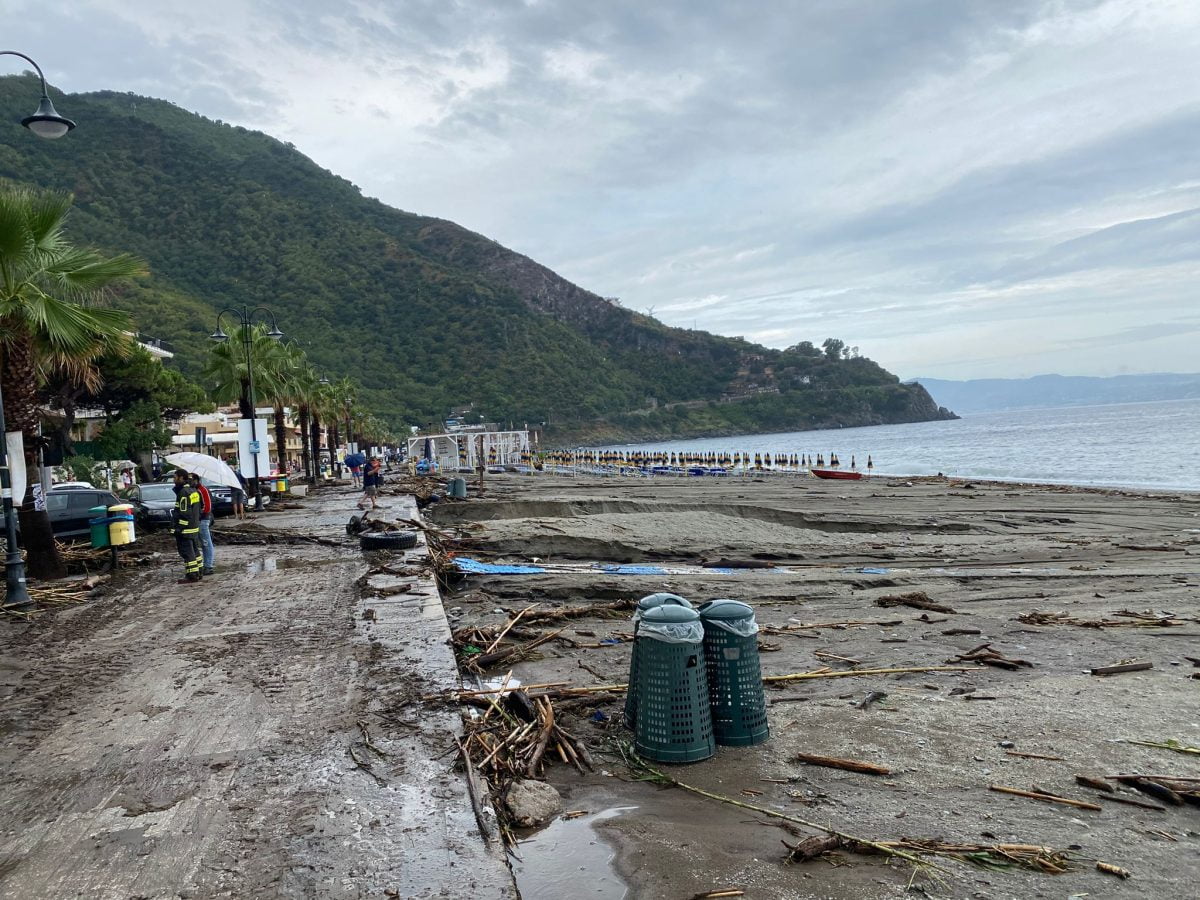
x=245, y=319
x=45, y=123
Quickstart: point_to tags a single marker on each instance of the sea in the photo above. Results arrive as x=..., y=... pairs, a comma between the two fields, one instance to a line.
x=1154, y=446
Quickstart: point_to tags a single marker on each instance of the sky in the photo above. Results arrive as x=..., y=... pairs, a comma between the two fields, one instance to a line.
x=959, y=188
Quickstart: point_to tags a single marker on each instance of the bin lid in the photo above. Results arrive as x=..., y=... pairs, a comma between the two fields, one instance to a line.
x=97, y=511
x=729, y=610
x=670, y=613
x=650, y=601
x=121, y=508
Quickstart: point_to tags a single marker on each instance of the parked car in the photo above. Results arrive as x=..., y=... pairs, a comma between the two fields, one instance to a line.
x=69, y=510
x=222, y=495
x=152, y=504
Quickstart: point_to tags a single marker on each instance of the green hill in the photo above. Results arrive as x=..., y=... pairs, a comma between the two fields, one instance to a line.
x=425, y=314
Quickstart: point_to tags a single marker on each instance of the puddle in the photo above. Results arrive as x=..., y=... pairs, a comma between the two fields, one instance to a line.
x=569, y=859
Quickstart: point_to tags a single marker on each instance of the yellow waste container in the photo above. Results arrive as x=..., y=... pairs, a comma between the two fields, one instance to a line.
x=120, y=529
x=281, y=484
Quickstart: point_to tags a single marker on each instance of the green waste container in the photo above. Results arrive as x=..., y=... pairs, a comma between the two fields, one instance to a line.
x=458, y=488
x=735, y=688
x=98, y=523
x=674, y=723
x=649, y=602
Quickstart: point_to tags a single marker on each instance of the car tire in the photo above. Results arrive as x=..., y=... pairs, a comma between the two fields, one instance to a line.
x=388, y=540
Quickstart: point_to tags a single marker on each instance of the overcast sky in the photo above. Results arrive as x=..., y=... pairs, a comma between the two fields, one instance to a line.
x=960, y=188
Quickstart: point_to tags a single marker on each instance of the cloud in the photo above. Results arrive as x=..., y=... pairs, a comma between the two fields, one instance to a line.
x=957, y=188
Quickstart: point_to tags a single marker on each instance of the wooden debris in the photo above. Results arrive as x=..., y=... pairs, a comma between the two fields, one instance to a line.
x=1110, y=869
x=713, y=895
x=802, y=676
x=1140, y=620
x=1153, y=789
x=825, y=654
x=485, y=661
x=811, y=848
x=1032, y=755
x=1122, y=667
x=914, y=599
x=1169, y=744
x=1097, y=783
x=833, y=762
x=1039, y=795
x=871, y=697
x=956, y=631
x=989, y=657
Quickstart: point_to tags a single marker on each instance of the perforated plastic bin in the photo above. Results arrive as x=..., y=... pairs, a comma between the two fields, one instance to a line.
x=650, y=601
x=674, y=724
x=735, y=689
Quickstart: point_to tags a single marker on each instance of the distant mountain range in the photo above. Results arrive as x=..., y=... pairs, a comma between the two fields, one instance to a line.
x=993, y=394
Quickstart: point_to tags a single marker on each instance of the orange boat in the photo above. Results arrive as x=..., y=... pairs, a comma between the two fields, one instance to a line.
x=843, y=474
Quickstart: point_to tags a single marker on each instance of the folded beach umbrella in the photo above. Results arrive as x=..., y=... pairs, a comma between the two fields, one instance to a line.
x=206, y=467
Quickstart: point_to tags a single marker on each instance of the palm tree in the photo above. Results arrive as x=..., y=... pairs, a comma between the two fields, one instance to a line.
x=49, y=321
x=305, y=385
x=226, y=373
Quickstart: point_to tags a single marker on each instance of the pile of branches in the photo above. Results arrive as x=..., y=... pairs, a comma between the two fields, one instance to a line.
x=986, y=856
x=512, y=736
x=1130, y=620
x=483, y=647
x=422, y=487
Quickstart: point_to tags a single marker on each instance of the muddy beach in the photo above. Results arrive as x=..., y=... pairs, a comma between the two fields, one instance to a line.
x=1056, y=581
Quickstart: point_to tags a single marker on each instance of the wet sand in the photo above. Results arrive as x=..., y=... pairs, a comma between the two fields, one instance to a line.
x=991, y=552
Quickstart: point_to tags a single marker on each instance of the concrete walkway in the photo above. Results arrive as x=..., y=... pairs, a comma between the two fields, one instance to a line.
x=251, y=737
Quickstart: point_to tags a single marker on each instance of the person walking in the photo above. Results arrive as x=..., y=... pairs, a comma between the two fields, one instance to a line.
x=206, y=518
x=186, y=522
x=372, y=478
x=237, y=496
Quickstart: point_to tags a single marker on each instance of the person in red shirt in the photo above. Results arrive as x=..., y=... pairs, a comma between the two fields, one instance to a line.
x=206, y=517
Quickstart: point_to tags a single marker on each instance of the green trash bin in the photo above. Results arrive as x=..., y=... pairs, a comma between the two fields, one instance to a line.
x=674, y=722
x=735, y=688
x=649, y=602
x=458, y=488
x=98, y=523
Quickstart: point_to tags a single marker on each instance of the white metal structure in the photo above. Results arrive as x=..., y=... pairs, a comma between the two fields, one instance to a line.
x=469, y=449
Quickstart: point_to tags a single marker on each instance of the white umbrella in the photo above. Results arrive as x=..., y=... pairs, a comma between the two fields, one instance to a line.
x=206, y=467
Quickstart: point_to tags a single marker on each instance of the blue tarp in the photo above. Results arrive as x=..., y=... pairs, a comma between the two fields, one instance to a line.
x=475, y=567
x=633, y=570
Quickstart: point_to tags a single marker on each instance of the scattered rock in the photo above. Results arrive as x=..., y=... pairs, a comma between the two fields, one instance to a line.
x=532, y=803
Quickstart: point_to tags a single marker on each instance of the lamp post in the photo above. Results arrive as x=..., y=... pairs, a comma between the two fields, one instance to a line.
x=45, y=123
x=245, y=319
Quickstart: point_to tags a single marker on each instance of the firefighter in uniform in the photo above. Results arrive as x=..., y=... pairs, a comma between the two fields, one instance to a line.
x=187, y=527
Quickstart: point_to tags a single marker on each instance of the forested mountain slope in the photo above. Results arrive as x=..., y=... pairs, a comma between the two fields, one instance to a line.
x=425, y=314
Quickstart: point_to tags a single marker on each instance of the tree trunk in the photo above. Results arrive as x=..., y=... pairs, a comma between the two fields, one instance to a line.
x=305, y=444
x=244, y=406
x=281, y=438
x=42, y=559
x=334, y=442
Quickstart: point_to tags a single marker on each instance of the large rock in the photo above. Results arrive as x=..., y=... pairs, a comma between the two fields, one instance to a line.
x=532, y=803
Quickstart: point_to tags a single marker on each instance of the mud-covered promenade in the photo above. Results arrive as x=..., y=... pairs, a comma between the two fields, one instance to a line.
x=251, y=737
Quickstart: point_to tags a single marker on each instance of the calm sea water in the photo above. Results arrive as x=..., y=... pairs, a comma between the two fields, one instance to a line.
x=1143, y=445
